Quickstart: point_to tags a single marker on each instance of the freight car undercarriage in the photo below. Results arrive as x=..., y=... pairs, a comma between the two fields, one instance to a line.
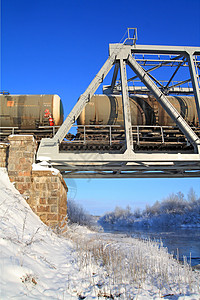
x=109, y=138
x=112, y=138
x=38, y=133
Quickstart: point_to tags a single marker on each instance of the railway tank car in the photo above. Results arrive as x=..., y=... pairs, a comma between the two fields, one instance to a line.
x=145, y=110
x=30, y=111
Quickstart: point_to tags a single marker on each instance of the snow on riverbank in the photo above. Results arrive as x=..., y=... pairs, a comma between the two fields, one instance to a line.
x=35, y=263
x=136, y=267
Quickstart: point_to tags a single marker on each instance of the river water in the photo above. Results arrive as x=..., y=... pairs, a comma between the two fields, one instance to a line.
x=186, y=240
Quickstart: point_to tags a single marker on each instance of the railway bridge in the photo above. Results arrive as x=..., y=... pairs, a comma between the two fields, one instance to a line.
x=149, y=151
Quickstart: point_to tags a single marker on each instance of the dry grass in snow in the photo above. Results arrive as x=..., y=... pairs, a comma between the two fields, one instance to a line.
x=133, y=268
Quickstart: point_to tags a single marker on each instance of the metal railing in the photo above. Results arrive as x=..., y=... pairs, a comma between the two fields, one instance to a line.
x=152, y=129
x=160, y=134
x=86, y=131
x=112, y=134
x=109, y=134
x=12, y=130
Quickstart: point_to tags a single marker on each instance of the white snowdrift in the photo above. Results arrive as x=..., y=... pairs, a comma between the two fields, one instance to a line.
x=35, y=262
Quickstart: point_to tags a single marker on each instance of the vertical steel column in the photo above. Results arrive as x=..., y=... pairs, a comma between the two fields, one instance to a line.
x=126, y=107
x=195, y=83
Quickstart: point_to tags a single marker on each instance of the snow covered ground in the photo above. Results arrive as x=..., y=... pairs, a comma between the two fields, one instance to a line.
x=35, y=263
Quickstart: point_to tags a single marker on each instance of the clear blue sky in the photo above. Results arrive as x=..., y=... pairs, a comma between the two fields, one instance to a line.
x=57, y=46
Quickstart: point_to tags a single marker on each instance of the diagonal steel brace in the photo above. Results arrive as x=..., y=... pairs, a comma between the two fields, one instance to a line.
x=83, y=100
x=85, y=97
x=48, y=145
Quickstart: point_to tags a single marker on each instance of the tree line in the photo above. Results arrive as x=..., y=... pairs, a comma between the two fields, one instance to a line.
x=175, y=209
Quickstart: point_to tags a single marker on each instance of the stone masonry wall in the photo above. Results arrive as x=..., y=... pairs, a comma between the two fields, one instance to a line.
x=21, y=157
x=3, y=155
x=44, y=190
x=48, y=197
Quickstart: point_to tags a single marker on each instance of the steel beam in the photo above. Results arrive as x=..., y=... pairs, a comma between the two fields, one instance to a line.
x=195, y=83
x=126, y=107
x=156, y=166
x=93, y=157
x=157, y=49
x=167, y=85
x=183, y=174
x=114, y=78
x=144, y=89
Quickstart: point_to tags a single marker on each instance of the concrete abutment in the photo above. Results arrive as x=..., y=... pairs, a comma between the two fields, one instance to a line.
x=43, y=188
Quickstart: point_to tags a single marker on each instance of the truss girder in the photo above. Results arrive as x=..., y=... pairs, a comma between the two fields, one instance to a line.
x=190, y=53
x=162, y=99
x=136, y=169
x=129, y=164
x=140, y=169
x=174, y=61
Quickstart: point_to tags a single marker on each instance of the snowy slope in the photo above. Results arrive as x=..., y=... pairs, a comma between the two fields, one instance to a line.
x=35, y=263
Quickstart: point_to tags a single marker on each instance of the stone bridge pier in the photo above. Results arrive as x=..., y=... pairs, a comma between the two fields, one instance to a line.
x=43, y=188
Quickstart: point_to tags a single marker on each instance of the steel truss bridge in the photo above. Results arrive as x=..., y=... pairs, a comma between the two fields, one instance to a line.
x=128, y=162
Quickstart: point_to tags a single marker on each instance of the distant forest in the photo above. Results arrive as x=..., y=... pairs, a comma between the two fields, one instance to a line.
x=174, y=210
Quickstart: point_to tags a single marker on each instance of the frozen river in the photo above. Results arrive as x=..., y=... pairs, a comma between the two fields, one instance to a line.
x=187, y=241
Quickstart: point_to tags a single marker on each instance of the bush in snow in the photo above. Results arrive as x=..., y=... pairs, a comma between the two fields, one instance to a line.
x=76, y=214
x=120, y=216
x=173, y=204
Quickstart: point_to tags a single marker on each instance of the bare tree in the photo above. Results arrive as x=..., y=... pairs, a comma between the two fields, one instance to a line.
x=76, y=214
